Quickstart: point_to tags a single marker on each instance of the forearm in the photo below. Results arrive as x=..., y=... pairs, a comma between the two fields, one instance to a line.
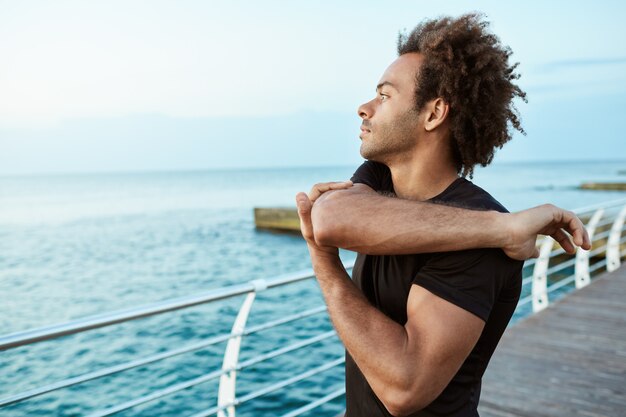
x=375, y=342
x=378, y=225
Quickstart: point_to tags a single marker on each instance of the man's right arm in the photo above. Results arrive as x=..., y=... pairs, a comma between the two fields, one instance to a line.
x=359, y=219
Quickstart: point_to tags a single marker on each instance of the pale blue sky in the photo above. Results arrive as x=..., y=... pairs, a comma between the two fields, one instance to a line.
x=154, y=85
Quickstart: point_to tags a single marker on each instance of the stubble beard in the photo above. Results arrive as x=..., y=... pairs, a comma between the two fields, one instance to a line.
x=392, y=139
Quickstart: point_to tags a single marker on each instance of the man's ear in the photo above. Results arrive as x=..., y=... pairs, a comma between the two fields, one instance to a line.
x=436, y=113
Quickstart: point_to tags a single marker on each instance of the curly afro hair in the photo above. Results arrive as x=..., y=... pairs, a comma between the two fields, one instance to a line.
x=467, y=66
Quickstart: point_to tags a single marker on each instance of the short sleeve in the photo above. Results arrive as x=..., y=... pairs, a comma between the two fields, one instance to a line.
x=374, y=174
x=471, y=279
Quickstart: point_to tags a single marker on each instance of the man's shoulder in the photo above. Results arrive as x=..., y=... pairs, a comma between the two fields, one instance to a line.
x=374, y=174
x=465, y=194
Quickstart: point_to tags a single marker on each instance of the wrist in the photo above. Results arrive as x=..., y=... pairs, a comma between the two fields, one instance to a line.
x=323, y=254
x=321, y=257
x=325, y=258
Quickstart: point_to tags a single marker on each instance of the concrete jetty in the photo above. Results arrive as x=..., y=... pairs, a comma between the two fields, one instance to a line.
x=606, y=186
x=279, y=219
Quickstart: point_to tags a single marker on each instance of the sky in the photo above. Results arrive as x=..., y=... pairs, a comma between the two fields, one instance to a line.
x=90, y=86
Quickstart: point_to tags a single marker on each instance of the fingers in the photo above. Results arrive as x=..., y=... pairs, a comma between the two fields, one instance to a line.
x=304, y=212
x=575, y=227
x=321, y=188
x=564, y=240
x=586, y=241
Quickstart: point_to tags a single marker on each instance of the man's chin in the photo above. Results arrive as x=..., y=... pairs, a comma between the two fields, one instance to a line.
x=363, y=152
x=372, y=155
x=368, y=154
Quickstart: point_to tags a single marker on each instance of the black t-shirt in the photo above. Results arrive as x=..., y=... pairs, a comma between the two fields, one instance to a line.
x=484, y=282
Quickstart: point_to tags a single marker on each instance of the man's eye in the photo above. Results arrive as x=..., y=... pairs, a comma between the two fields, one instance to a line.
x=383, y=97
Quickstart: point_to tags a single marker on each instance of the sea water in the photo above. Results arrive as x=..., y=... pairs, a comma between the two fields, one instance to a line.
x=78, y=245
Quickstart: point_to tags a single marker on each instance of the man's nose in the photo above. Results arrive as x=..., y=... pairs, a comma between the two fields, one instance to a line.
x=364, y=111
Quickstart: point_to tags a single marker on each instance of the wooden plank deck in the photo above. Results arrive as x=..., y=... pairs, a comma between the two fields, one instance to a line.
x=568, y=360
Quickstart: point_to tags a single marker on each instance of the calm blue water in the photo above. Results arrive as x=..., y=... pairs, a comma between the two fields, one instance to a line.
x=78, y=245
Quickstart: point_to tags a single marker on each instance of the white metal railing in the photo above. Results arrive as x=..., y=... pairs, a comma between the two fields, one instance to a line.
x=609, y=216
x=600, y=216
x=227, y=400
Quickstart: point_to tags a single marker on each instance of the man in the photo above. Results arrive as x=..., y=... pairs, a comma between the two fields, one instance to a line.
x=420, y=322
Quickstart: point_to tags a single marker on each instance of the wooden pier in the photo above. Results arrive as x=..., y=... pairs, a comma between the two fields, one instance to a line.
x=568, y=360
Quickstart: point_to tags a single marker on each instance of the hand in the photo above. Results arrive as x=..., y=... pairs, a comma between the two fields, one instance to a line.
x=322, y=187
x=547, y=219
x=306, y=227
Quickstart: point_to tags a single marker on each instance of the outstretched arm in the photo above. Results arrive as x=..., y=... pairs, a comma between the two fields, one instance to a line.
x=359, y=219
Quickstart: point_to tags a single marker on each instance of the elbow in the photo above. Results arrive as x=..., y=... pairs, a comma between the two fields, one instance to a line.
x=402, y=408
x=327, y=225
x=404, y=403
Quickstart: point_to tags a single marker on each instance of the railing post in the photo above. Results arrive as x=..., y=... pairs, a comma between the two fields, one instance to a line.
x=613, y=246
x=583, y=277
x=540, y=277
x=226, y=393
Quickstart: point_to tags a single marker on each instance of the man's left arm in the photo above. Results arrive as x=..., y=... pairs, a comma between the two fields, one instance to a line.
x=406, y=366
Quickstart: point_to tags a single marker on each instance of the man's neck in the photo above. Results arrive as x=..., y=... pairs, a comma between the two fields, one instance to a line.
x=422, y=176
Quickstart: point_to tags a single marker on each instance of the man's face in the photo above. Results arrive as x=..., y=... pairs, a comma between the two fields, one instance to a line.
x=390, y=121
